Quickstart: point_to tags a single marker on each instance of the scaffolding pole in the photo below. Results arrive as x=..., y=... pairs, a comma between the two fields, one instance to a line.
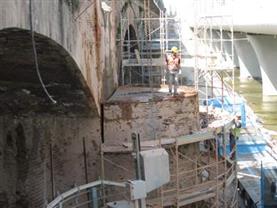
x=143, y=54
x=214, y=52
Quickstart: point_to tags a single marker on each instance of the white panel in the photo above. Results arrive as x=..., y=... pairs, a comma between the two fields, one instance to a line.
x=137, y=189
x=120, y=204
x=156, y=168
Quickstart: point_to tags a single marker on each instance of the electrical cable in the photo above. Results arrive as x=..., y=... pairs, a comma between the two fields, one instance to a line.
x=35, y=54
x=84, y=10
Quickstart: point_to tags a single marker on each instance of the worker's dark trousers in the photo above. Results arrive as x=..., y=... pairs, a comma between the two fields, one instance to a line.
x=232, y=145
x=173, y=80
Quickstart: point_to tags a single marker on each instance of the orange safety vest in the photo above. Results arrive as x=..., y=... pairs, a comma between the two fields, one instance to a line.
x=173, y=63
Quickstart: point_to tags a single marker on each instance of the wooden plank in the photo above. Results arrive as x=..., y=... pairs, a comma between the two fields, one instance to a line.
x=143, y=62
x=152, y=143
x=115, y=149
x=126, y=147
x=201, y=197
x=197, y=137
x=202, y=187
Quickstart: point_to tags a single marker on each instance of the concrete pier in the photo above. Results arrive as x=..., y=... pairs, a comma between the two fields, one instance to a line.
x=248, y=62
x=265, y=47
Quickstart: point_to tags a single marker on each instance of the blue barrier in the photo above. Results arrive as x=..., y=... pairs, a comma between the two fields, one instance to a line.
x=262, y=186
x=243, y=115
x=227, y=104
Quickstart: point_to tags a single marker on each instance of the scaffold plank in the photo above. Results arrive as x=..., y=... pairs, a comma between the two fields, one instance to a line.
x=196, y=137
x=201, y=197
x=127, y=147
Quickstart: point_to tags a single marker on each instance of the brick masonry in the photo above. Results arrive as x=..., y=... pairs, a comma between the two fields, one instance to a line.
x=168, y=118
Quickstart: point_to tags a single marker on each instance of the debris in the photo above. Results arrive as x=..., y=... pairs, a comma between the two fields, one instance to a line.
x=3, y=89
x=28, y=92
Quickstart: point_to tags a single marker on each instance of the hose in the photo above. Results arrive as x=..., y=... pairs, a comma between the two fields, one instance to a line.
x=35, y=54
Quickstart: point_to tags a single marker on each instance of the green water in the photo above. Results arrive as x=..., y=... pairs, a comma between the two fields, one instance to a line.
x=265, y=107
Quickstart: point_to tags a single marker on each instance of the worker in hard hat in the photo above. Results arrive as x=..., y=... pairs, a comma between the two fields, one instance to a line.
x=173, y=65
x=234, y=136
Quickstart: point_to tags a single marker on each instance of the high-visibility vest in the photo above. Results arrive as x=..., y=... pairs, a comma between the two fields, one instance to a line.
x=236, y=130
x=173, y=63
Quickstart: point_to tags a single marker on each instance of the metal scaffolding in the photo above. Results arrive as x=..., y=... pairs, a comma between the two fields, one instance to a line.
x=202, y=168
x=214, y=50
x=144, y=44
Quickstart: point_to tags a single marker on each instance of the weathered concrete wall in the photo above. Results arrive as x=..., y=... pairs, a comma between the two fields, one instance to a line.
x=265, y=47
x=248, y=62
x=158, y=119
x=84, y=32
x=43, y=155
x=87, y=32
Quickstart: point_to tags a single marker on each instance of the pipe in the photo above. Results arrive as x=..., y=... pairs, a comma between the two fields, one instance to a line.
x=73, y=191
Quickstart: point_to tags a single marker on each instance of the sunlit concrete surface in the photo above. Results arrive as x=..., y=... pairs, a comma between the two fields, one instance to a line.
x=248, y=62
x=265, y=47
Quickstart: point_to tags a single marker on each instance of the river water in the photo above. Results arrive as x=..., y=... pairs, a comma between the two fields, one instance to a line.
x=265, y=107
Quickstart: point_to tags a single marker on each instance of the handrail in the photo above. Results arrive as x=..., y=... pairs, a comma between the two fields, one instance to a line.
x=72, y=191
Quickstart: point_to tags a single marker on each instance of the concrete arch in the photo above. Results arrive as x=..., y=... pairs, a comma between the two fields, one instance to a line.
x=130, y=12
x=130, y=37
x=82, y=36
x=265, y=47
x=31, y=127
x=248, y=62
x=126, y=26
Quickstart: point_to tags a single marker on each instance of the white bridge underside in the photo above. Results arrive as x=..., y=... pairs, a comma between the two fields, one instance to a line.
x=254, y=24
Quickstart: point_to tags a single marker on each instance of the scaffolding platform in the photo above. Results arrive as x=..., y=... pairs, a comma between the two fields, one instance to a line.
x=145, y=145
x=195, y=194
x=143, y=62
x=131, y=94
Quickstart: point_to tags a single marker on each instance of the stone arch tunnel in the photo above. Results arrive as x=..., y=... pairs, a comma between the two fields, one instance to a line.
x=41, y=143
x=81, y=30
x=130, y=37
x=59, y=72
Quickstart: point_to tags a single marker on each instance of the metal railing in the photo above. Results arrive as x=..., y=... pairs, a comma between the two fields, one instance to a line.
x=92, y=195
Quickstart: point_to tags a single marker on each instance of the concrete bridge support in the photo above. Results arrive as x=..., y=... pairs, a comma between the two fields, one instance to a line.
x=265, y=47
x=248, y=62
